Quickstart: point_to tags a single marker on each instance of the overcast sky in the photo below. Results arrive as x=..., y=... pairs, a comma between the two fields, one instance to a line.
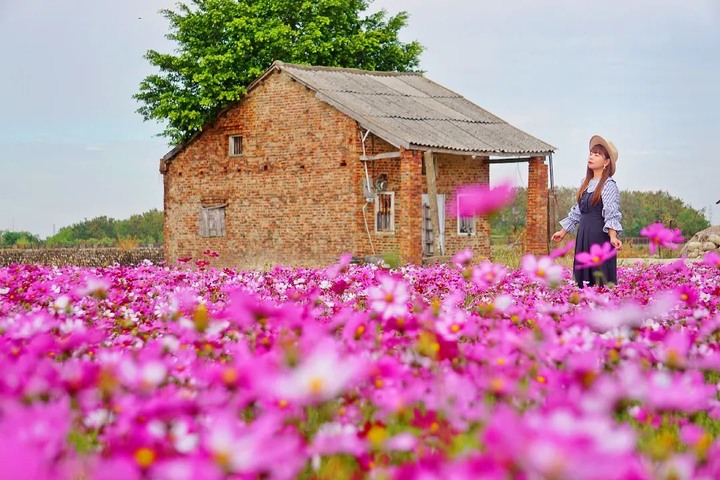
x=643, y=73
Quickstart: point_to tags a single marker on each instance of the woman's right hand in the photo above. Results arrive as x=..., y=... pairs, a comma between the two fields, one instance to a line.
x=559, y=235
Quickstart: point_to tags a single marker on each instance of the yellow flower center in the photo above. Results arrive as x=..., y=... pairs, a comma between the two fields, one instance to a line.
x=316, y=385
x=229, y=376
x=540, y=272
x=222, y=458
x=145, y=457
x=496, y=384
x=359, y=331
x=455, y=328
x=377, y=435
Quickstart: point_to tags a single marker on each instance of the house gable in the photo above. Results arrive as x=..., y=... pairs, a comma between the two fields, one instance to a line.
x=292, y=182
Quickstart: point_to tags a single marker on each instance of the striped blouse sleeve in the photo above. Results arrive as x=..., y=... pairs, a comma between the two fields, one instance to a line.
x=611, y=206
x=571, y=222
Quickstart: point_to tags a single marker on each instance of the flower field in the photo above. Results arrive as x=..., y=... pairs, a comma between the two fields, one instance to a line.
x=466, y=370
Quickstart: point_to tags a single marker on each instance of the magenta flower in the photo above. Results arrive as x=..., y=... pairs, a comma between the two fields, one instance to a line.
x=712, y=259
x=488, y=273
x=463, y=258
x=479, y=199
x=597, y=256
x=660, y=236
x=542, y=269
x=562, y=251
x=389, y=299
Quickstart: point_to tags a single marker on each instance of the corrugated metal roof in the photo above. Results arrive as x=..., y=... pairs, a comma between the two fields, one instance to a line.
x=408, y=110
x=413, y=110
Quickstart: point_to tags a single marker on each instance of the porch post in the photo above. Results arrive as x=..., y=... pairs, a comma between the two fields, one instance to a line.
x=432, y=199
x=409, y=204
x=536, y=231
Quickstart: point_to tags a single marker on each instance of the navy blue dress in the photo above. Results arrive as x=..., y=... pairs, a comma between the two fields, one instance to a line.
x=589, y=232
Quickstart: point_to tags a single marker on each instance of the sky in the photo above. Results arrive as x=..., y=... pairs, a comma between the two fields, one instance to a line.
x=643, y=73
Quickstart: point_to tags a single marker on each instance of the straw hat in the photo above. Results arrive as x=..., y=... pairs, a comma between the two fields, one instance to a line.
x=610, y=147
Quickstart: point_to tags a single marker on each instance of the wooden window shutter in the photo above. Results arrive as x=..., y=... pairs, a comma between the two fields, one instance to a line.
x=212, y=221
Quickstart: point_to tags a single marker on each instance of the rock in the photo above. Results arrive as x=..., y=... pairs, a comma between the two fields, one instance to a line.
x=714, y=239
x=693, y=246
x=700, y=240
x=707, y=246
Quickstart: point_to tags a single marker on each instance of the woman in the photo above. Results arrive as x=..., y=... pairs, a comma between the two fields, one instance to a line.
x=596, y=215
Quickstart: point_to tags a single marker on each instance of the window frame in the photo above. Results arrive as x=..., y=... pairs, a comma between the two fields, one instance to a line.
x=204, y=221
x=461, y=220
x=391, y=229
x=231, y=146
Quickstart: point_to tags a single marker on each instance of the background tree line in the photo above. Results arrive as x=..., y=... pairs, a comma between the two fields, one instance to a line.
x=638, y=210
x=145, y=228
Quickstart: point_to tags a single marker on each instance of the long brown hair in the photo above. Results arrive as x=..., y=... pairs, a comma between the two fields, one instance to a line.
x=590, y=174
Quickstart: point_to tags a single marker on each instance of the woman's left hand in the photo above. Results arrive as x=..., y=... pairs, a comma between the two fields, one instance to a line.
x=615, y=242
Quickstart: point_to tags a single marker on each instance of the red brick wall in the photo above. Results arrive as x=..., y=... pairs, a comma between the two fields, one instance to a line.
x=382, y=243
x=536, y=233
x=290, y=197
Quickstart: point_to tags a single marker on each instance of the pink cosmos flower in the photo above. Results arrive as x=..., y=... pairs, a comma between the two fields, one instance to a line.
x=340, y=267
x=660, y=236
x=712, y=259
x=597, y=256
x=479, y=199
x=562, y=251
x=389, y=299
x=323, y=375
x=543, y=269
x=627, y=315
x=488, y=273
x=463, y=258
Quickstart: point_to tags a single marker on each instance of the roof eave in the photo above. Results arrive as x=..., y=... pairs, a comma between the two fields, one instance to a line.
x=484, y=153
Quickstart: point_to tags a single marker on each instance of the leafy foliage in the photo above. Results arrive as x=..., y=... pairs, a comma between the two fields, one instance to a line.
x=223, y=45
x=638, y=209
x=146, y=228
x=17, y=239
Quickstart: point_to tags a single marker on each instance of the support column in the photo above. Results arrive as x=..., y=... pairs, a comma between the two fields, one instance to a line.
x=409, y=207
x=536, y=231
x=432, y=200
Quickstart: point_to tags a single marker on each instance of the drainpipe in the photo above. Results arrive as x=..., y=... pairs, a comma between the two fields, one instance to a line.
x=368, y=199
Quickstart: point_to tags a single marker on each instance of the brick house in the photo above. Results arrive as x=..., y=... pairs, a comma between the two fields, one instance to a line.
x=317, y=161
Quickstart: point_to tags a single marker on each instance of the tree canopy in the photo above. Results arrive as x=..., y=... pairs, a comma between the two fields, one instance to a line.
x=146, y=228
x=223, y=45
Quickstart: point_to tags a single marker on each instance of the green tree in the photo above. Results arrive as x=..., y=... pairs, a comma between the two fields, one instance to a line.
x=223, y=45
x=19, y=239
x=146, y=227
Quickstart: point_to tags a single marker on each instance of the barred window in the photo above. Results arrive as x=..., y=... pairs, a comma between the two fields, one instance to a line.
x=236, y=145
x=385, y=212
x=466, y=225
